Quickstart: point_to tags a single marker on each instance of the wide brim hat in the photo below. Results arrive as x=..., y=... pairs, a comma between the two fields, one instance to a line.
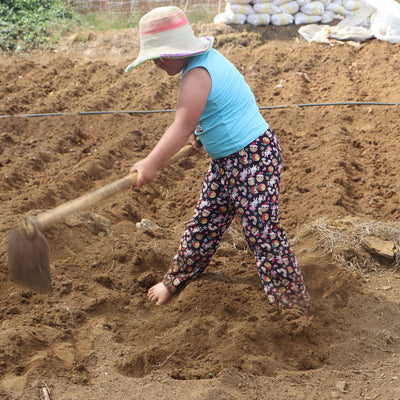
x=165, y=33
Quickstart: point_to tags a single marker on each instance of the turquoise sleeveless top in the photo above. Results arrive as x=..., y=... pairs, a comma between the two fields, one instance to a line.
x=231, y=118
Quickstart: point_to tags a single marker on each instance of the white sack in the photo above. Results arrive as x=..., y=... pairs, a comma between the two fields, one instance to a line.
x=266, y=8
x=313, y=8
x=281, y=19
x=361, y=17
x=228, y=17
x=385, y=23
x=280, y=2
x=300, y=19
x=246, y=9
x=291, y=8
x=327, y=17
x=303, y=2
x=354, y=33
x=322, y=33
x=351, y=5
x=386, y=27
x=337, y=9
x=381, y=17
x=258, y=19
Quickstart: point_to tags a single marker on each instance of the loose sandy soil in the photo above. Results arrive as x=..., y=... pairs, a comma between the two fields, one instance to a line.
x=96, y=336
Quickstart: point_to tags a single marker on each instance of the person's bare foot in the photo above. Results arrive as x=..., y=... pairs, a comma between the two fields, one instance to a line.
x=159, y=294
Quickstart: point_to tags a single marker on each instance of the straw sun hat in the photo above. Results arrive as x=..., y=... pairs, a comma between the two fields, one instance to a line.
x=165, y=33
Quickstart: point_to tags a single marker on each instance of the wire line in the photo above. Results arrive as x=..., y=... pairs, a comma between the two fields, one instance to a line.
x=353, y=103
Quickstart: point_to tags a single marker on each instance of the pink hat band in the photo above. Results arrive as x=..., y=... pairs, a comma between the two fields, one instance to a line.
x=163, y=24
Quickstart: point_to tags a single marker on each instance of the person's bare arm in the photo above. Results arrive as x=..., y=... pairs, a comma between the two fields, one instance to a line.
x=194, y=91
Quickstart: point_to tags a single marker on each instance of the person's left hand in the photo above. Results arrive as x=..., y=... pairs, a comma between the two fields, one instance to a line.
x=146, y=171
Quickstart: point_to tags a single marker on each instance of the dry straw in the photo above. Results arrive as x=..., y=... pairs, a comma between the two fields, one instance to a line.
x=343, y=239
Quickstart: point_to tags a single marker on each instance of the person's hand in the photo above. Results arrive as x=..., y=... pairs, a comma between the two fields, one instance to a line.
x=192, y=140
x=146, y=171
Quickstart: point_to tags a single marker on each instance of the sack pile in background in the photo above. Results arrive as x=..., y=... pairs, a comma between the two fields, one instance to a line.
x=285, y=12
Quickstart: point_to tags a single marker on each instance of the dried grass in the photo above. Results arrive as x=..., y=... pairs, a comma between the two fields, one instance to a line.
x=338, y=236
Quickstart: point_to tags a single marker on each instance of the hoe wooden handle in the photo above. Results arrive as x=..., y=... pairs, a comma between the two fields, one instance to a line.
x=81, y=203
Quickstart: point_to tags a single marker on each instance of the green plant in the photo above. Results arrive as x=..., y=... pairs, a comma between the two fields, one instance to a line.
x=105, y=22
x=200, y=13
x=28, y=24
x=102, y=21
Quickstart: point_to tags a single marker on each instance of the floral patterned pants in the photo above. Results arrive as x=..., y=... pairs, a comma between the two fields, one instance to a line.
x=245, y=183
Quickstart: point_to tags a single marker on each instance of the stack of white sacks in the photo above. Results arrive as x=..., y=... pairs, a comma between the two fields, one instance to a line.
x=285, y=12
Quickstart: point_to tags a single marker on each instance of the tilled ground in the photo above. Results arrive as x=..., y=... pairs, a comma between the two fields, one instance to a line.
x=96, y=336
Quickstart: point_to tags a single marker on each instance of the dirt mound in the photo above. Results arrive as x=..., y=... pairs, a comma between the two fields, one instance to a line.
x=96, y=336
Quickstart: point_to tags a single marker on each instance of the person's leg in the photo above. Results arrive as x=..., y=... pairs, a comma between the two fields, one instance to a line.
x=257, y=206
x=280, y=273
x=213, y=214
